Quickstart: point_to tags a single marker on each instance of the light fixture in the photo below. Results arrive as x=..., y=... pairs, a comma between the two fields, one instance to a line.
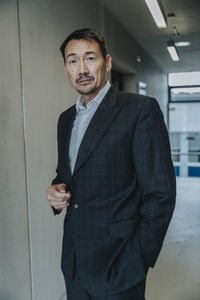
x=157, y=12
x=182, y=44
x=175, y=31
x=172, y=51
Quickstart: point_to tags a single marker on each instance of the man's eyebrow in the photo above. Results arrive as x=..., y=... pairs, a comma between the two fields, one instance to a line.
x=89, y=52
x=71, y=54
x=86, y=53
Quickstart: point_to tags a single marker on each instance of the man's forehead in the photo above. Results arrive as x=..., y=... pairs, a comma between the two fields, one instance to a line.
x=82, y=47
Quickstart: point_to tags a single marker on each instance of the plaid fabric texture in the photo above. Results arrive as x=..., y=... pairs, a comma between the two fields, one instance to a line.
x=123, y=192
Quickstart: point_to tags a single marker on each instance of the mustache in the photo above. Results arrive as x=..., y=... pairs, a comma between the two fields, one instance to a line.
x=83, y=77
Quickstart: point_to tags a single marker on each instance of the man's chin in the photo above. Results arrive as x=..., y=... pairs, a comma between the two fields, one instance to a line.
x=87, y=91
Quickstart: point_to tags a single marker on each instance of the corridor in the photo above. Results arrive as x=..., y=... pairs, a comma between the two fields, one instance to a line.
x=176, y=275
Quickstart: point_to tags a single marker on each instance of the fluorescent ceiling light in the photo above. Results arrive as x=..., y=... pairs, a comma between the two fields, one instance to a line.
x=182, y=44
x=157, y=13
x=173, y=51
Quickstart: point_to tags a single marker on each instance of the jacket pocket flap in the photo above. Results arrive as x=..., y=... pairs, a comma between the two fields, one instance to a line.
x=123, y=228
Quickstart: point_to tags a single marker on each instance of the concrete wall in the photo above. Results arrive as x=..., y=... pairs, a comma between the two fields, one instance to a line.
x=14, y=233
x=155, y=80
x=43, y=26
x=33, y=93
x=125, y=51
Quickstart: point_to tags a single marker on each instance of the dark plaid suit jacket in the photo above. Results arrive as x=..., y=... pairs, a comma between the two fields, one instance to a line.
x=124, y=187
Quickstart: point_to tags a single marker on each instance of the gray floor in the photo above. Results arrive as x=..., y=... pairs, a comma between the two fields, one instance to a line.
x=176, y=275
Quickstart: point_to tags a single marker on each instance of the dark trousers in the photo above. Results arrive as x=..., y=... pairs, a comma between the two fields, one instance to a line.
x=134, y=293
x=76, y=291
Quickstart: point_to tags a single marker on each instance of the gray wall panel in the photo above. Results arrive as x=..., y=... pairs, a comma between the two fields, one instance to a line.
x=14, y=246
x=43, y=26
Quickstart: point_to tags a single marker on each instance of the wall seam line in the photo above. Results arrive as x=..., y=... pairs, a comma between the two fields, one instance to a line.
x=25, y=152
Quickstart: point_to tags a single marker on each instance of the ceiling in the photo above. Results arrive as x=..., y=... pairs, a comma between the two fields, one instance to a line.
x=135, y=16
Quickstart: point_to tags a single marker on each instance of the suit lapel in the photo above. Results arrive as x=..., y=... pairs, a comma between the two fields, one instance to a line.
x=98, y=125
x=67, y=133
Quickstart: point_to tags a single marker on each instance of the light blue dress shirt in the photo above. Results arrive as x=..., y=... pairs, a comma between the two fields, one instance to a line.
x=81, y=122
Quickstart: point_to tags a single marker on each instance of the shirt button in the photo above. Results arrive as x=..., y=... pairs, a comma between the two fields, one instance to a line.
x=75, y=205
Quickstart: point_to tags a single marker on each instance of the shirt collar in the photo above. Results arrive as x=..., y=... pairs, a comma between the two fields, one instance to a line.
x=99, y=97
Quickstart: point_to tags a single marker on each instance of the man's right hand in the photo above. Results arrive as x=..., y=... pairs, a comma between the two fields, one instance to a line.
x=58, y=197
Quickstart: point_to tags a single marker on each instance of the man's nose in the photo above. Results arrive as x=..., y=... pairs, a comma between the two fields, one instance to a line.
x=83, y=69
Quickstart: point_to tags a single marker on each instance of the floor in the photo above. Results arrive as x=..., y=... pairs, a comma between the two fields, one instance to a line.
x=176, y=275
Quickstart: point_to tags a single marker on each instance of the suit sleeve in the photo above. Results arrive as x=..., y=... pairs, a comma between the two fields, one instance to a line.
x=58, y=178
x=156, y=177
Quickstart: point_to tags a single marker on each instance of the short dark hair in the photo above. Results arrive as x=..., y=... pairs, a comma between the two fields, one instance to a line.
x=85, y=34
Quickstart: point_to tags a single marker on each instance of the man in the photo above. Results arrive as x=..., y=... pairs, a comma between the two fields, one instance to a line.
x=114, y=175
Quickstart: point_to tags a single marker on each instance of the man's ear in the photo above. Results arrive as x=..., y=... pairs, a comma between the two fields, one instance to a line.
x=66, y=73
x=108, y=62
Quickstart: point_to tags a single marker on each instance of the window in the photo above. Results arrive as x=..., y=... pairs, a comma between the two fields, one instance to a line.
x=184, y=87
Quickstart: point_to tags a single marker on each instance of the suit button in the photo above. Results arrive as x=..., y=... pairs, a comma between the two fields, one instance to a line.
x=75, y=205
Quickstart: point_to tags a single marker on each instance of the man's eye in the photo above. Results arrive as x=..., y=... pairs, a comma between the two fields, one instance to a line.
x=72, y=61
x=90, y=58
